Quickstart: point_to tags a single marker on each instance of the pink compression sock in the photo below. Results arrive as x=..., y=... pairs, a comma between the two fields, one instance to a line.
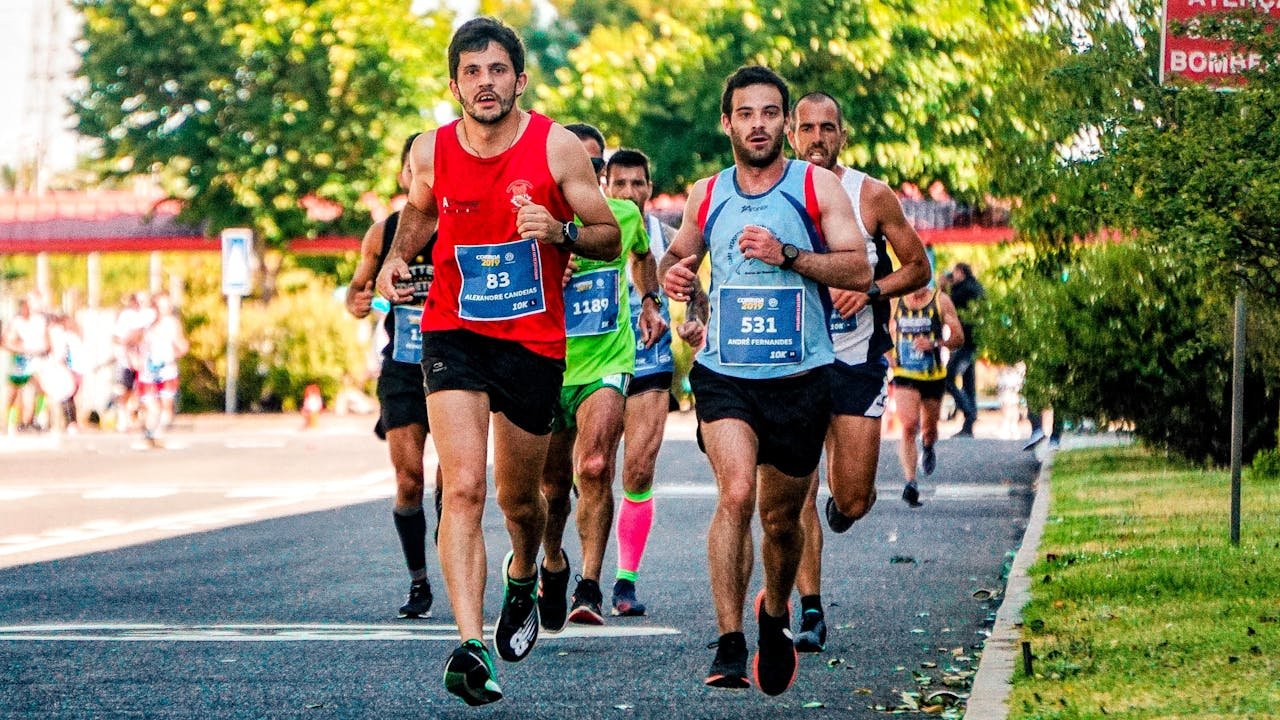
x=634, y=522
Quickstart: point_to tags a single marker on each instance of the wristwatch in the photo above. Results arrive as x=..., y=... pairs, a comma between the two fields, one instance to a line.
x=652, y=295
x=873, y=292
x=569, y=234
x=789, y=254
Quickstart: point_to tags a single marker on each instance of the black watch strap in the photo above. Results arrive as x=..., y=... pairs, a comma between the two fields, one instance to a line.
x=654, y=296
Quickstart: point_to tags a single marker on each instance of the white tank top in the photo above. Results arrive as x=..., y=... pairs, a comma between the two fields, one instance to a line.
x=852, y=337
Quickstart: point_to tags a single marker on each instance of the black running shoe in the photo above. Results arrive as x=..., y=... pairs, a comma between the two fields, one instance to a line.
x=517, y=628
x=775, y=664
x=624, y=599
x=587, y=600
x=553, y=593
x=469, y=674
x=928, y=459
x=911, y=494
x=419, y=603
x=729, y=669
x=813, y=632
x=836, y=520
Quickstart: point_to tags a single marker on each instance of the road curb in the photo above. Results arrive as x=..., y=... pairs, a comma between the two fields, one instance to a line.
x=988, y=700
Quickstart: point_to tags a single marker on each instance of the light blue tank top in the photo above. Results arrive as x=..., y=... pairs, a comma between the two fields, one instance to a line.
x=765, y=322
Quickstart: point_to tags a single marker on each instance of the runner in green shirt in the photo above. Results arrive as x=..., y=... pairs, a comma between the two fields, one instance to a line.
x=599, y=363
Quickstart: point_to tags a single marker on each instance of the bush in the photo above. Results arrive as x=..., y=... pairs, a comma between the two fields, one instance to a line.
x=303, y=336
x=1131, y=333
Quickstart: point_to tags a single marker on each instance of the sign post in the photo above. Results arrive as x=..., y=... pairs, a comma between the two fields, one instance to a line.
x=236, y=248
x=1189, y=58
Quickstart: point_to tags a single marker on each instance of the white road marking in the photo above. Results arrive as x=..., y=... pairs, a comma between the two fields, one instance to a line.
x=129, y=492
x=149, y=632
x=17, y=493
x=972, y=492
x=702, y=490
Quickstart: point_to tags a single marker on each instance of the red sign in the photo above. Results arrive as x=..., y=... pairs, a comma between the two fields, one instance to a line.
x=1194, y=59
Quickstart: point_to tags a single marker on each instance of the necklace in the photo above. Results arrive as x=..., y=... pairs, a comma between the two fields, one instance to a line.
x=467, y=139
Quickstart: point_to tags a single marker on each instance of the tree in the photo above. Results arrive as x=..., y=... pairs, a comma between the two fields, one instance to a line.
x=243, y=108
x=1187, y=175
x=914, y=80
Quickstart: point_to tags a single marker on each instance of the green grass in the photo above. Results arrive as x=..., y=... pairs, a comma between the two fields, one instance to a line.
x=1141, y=608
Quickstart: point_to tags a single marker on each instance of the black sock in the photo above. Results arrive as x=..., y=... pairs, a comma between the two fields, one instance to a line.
x=811, y=603
x=411, y=526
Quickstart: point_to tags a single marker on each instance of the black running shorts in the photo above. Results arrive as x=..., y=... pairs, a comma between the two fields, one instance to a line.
x=520, y=383
x=928, y=389
x=400, y=391
x=859, y=390
x=649, y=383
x=789, y=415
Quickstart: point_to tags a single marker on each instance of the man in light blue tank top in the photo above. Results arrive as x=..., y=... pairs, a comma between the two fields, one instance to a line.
x=777, y=231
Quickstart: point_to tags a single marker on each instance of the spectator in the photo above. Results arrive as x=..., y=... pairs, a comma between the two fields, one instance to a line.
x=965, y=292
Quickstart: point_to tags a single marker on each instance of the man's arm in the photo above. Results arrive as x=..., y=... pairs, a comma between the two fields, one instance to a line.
x=884, y=216
x=599, y=238
x=678, y=268
x=845, y=266
x=418, y=220
x=644, y=274
x=360, y=291
x=952, y=321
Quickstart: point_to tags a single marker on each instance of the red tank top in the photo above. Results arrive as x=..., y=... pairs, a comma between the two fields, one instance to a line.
x=488, y=279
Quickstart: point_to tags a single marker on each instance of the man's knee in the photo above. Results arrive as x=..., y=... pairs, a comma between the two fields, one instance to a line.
x=594, y=470
x=780, y=522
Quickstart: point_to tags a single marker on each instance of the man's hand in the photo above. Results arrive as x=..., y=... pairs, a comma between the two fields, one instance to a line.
x=692, y=332
x=360, y=302
x=536, y=222
x=924, y=344
x=848, y=302
x=393, y=271
x=569, y=270
x=759, y=244
x=678, y=282
x=652, y=326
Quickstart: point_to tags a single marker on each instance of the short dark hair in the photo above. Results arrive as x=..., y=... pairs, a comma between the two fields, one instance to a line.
x=475, y=35
x=587, y=132
x=753, y=75
x=628, y=158
x=819, y=95
x=408, y=145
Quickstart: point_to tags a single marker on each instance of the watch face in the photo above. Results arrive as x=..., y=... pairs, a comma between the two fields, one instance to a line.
x=791, y=252
x=571, y=232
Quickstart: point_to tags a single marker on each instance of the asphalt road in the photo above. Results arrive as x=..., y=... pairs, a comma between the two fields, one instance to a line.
x=134, y=606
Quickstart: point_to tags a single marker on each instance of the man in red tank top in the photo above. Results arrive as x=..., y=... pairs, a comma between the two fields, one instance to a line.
x=500, y=187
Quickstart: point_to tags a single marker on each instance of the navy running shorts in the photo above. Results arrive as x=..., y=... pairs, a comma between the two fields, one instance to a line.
x=789, y=415
x=928, y=389
x=859, y=390
x=520, y=383
x=403, y=398
x=649, y=383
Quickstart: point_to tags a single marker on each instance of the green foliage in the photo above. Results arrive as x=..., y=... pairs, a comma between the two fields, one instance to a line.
x=303, y=336
x=1266, y=465
x=915, y=81
x=1130, y=333
x=243, y=108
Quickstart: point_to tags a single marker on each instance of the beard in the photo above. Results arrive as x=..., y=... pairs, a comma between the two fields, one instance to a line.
x=756, y=158
x=828, y=158
x=493, y=116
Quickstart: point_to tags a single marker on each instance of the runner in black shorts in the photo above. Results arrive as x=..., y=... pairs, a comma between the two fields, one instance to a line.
x=776, y=232
x=859, y=325
x=500, y=187
x=403, y=421
x=922, y=324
